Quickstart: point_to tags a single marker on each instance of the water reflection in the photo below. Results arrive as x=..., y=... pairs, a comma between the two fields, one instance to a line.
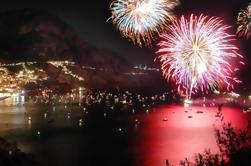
x=68, y=135
x=186, y=131
x=12, y=113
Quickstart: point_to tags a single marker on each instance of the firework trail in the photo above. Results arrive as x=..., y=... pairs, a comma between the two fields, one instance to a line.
x=244, y=23
x=196, y=55
x=142, y=20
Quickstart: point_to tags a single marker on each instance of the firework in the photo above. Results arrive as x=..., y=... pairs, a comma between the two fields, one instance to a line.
x=196, y=55
x=244, y=23
x=142, y=20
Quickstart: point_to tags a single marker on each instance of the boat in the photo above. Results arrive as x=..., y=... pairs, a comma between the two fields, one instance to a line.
x=3, y=98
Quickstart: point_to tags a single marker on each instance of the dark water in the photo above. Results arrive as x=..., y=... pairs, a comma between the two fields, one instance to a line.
x=120, y=138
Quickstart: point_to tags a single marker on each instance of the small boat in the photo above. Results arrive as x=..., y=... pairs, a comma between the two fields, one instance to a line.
x=51, y=121
x=3, y=98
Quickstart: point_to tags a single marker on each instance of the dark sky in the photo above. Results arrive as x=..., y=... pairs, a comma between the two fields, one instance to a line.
x=89, y=17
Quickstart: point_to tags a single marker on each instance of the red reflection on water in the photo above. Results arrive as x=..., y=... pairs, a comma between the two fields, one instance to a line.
x=185, y=133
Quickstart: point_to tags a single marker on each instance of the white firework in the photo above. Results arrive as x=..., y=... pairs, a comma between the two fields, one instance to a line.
x=142, y=20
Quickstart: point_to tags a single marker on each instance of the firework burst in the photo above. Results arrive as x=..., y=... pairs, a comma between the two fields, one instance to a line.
x=141, y=20
x=196, y=55
x=244, y=23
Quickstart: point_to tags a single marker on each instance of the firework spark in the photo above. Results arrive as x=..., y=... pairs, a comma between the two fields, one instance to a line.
x=196, y=55
x=244, y=23
x=141, y=20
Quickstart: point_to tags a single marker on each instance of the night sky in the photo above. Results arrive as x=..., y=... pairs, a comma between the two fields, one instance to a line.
x=88, y=18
